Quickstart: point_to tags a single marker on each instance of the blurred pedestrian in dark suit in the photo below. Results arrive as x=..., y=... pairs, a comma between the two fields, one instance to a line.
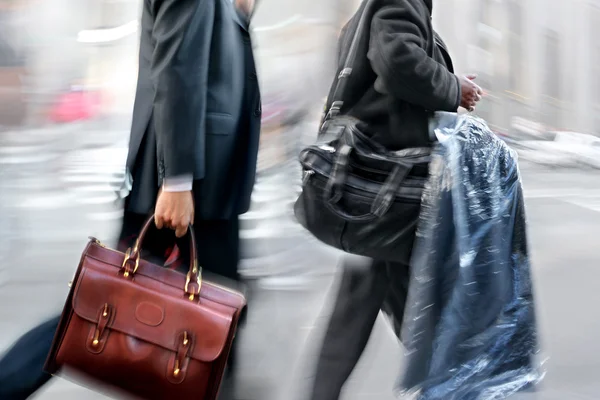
x=192, y=152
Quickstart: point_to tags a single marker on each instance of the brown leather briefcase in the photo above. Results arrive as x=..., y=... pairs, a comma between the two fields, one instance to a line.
x=144, y=330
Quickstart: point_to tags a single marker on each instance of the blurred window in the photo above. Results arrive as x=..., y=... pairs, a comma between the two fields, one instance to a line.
x=552, y=64
x=486, y=63
x=516, y=73
x=551, y=87
x=595, y=26
x=9, y=52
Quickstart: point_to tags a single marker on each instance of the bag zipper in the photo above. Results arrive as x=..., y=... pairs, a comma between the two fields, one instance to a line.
x=352, y=189
x=310, y=169
x=307, y=174
x=96, y=241
x=360, y=192
x=314, y=149
x=327, y=148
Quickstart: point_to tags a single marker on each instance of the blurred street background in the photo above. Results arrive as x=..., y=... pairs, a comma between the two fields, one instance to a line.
x=67, y=80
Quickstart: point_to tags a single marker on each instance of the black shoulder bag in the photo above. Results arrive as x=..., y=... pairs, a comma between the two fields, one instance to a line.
x=356, y=195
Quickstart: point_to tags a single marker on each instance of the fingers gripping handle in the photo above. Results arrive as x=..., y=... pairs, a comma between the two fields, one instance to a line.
x=193, y=281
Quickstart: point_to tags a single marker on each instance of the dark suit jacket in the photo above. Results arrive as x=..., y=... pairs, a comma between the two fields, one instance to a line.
x=401, y=75
x=197, y=107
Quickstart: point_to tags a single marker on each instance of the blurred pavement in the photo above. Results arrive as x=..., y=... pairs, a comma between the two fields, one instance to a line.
x=49, y=216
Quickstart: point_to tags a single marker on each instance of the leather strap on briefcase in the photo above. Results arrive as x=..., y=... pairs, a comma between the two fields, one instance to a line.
x=144, y=330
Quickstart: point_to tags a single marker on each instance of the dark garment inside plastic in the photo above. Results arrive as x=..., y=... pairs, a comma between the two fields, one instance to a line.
x=469, y=324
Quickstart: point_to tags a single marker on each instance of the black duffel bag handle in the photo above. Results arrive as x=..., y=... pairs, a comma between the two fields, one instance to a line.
x=334, y=190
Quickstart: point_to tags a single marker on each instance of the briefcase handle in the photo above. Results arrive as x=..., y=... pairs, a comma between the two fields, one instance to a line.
x=193, y=280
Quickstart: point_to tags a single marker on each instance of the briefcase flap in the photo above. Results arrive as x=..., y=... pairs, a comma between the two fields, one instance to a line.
x=152, y=316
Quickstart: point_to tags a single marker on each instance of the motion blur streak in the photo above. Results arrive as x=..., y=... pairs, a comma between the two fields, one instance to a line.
x=67, y=81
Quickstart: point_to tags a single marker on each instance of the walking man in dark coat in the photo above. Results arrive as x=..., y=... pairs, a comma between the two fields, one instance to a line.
x=402, y=74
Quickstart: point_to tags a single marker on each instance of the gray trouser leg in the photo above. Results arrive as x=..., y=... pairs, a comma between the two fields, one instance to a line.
x=357, y=305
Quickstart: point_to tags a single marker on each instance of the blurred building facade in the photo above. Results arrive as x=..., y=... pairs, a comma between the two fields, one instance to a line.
x=51, y=47
x=538, y=59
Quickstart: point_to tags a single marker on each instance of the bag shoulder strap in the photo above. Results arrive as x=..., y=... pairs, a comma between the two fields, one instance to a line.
x=344, y=75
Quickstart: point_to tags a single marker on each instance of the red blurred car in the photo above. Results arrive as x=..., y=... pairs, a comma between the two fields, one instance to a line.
x=77, y=105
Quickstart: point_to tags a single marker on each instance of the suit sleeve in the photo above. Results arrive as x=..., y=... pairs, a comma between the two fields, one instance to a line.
x=182, y=34
x=404, y=69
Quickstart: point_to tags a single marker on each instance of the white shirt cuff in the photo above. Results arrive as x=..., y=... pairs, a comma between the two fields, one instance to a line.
x=182, y=183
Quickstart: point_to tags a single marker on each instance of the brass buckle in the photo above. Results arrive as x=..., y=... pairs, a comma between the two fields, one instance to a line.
x=97, y=332
x=188, y=279
x=127, y=258
x=176, y=367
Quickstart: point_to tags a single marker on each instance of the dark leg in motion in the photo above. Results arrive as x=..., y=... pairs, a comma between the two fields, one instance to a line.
x=21, y=368
x=361, y=294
